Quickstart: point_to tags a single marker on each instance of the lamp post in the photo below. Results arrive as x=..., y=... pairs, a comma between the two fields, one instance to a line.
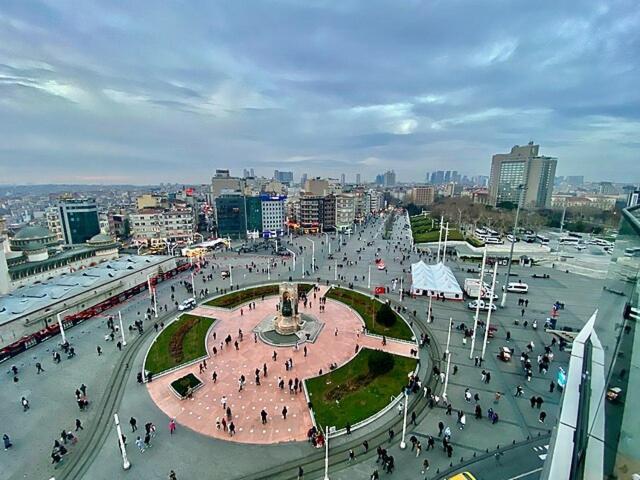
x=294, y=259
x=401, y=289
x=326, y=453
x=193, y=284
x=328, y=241
x=486, y=330
x=444, y=250
x=448, y=353
x=149, y=286
x=503, y=302
x=313, y=254
x=403, y=444
x=480, y=288
x=230, y=276
x=269, y=270
x=335, y=270
x=302, y=267
x=64, y=336
x=429, y=311
x=439, y=240
x=369, y=278
x=124, y=340
x=123, y=449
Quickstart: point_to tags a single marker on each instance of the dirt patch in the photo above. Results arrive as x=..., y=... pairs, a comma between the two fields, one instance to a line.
x=177, y=340
x=338, y=392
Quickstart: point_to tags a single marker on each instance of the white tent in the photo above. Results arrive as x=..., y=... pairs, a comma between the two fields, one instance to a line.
x=434, y=280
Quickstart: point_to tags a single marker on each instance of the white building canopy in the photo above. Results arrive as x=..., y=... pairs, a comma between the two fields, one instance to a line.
x=434, y=280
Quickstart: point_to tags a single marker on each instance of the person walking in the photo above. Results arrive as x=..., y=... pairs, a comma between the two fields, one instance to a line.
x=99, y=350
x=263, y=416
x=39, y=368
x=425, y=466
x=352, y=455
x=539, y=402
x=172, y=426
x=532, y=400
x=140, y=444
x=79, y=425
x=542, y=417
x=172, y=475
x=284, y=412
x=300, y=473
x=25, y=404
x=418, y=448
x=365, y=444
x=413, y=418
x=7, y=442
x=440, y=428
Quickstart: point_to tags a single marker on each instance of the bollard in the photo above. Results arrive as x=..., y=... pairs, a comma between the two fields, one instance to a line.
x=497, y=447
x=513, y=443
x=528, y=438
x=461, y=459
x=474, y=454
x=450, y=464
x=487, y=450
x=438, y=471
x=538, y=433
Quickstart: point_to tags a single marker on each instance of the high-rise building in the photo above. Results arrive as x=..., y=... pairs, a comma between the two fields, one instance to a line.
x=379, y=179
x=78, y=219
x=343, y=179
x=283, y=177
x=224, y=181
x=232, y=215
x=447, y=176
x=437, y=177
x=345, y=211
x=575, y=180
x=522, y=176
x=422, y=196
x=303, y=179
x=273, y=215
x=253, y=207
x=389, y=179
x=316, y=186
x=358, y=178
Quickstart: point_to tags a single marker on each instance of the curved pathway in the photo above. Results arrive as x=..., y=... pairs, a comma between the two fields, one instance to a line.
x=200, y=412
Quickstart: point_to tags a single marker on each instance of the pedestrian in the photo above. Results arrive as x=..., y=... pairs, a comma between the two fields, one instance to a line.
x=7, y=442
x=214, y=376
x=263, y=416
x=232, y=429
x=172, y=475
x=140, y=444
x=532, y=400
x=413, y=418
x=133, y=422
x=391, y=435
x=440, y=428
x=79, y=425
x=284, y=412
x=542, y=416
x=39, y=368
x=99, y=350
x=487, y=378
x=552, y=386
x=348, y=428
x=119, y=345
x=25, y=404
x=418, y=449
x=352, y=455
x=425, y=466
x=172, y=426
x=539, y=402
x=365, y=444
x=300, y=473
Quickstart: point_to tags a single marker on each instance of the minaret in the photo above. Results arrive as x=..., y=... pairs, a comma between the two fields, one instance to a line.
x=5, y=280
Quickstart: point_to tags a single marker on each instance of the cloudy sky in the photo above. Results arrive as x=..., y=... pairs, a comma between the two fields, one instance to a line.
x=150, y=91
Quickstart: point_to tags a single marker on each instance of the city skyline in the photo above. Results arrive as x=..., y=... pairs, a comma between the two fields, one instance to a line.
x=144, y=94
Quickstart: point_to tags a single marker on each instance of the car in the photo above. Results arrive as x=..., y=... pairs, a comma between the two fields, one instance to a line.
x=512, y=239
x=516, y=287
x=462, y=476
x=614, y=394
x=188, y=304
x=505, y=354
x=483, y=305
x=224, y=274
x=381, y=265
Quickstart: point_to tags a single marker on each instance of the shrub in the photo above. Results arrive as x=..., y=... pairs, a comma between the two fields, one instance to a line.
x=385, y=315
x=380, y=363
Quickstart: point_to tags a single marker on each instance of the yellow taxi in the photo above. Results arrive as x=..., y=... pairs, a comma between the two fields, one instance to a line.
x=462, y=476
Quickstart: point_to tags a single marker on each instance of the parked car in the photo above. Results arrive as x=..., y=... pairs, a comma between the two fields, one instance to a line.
x=188, y=304
x=483, y=305
x=614, y=394
x=517, y=287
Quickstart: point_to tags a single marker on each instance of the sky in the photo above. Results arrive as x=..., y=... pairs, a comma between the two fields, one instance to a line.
x=145, y=92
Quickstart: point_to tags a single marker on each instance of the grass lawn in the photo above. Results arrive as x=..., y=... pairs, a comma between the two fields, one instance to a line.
x=423, y=232
x=181, y=385
x=180, y=342
x=366, y=308
x=233, y=299
x=360, y=403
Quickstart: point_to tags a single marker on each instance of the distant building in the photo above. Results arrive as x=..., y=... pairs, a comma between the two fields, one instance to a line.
x=253, y=207
x=283, y=177
x=379, y=179
x=152, y=200
x=78, y=219
x=358, y=179
x=224, y=181
x=54, y=225
x=154, y=227
x=343, y=179
x=345, y=211
x=389, y=178
x=633, y=198
x=317, y=186
x=607, y=188
x=303, y=179
x=374, y=201
x=523, y=166
x=575, y=180
x=423, y=196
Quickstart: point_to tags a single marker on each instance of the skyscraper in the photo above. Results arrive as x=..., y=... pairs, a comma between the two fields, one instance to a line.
x=79, y=219
x=522, y=166
x=358, y=178
x=389, y=178
x=343, y=179
x=283, y=177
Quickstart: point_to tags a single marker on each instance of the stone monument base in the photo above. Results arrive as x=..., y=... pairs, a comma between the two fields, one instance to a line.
x=287, y=325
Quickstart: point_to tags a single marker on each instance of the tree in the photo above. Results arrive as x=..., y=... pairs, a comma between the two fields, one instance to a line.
x=380, y=362
x=385, y=315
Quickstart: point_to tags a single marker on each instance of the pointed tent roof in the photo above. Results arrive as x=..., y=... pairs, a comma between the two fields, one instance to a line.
x=438, y=278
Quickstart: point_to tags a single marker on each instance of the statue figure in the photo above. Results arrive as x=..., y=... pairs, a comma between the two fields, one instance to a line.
x=286, y=308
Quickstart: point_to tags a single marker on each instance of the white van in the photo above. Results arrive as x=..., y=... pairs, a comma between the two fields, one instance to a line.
x=493, y=240
x=188, y=304
x=517, y=287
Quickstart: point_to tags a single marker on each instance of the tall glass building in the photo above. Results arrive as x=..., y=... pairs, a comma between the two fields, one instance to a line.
x=78, y=219
x=598, y=435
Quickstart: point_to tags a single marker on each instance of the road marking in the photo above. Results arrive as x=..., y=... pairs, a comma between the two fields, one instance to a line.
x=522, y=475
x=542, y=450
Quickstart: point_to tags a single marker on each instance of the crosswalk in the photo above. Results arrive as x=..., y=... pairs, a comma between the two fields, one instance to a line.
x=541, y=450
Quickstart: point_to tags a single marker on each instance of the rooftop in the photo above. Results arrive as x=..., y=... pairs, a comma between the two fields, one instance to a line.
x=37, y=296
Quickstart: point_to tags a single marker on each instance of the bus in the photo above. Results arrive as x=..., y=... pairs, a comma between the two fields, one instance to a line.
x=542, y=239
x=480, y=232
x=569, y=241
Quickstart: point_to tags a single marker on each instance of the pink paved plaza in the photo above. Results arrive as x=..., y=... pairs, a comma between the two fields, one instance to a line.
x=200, y=412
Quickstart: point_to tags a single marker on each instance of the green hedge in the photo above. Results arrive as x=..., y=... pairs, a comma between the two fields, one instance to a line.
x=476, y=242
x=182, y=384
x=358, y=391
x=367, y=308
x=233, y=299
x=180, y=342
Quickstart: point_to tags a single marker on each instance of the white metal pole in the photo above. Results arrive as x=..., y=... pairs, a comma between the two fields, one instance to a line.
x=124, y=340
x=155, y=302
x=269, y=270
x=444, y=250
x=403, y=444
x=326, y=453
x=149, y=285
x=335, y=270
x=369, y=278
x=439, y=240
x=302, y=267
x=64, y=336
x=486, y=330
x=515, y=229
x=123, y=449
x=401, y=290
x=429, y=311
x=230, y=276
x=475, y=318
x=448, y=353
x=193, y=285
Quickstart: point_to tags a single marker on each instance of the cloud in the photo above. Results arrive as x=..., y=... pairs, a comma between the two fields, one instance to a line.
x=158, y=92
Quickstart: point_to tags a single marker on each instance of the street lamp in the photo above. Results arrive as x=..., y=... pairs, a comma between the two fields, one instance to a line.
x=403, y=444
x=369, y=278
x=326, y=453
x=480, y=288
x=521, y=189
x=64, y=336
x=124, y=340
x=328, y=241
x=486, y=330
x=448, y=353
x=230, y=276
x=294, y=259
x=313, y=254
x=123, y=449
